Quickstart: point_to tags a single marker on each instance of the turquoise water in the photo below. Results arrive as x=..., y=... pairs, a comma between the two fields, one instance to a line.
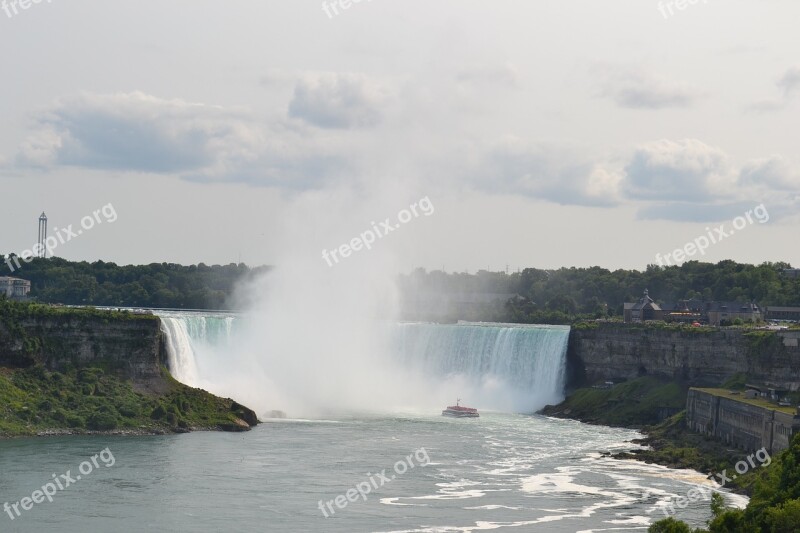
x=499, y=472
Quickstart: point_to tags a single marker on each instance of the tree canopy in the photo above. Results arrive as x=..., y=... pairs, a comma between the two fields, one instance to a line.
x=162, y=285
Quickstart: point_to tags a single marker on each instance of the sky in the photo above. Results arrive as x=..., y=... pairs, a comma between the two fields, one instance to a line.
x=541, y=134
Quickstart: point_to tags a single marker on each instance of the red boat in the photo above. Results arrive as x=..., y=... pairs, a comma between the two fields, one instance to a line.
x=458, y=411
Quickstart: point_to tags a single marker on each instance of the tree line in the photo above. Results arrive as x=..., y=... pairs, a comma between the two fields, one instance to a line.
x=539, y=295
x=560, y=296
x=162, y=285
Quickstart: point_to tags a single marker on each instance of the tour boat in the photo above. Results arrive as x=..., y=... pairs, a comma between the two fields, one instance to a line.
x=458, y=411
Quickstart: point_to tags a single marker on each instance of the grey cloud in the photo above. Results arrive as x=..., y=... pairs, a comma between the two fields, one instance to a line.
x=137, y=132
x=337, y=101
x=505, y=75
x=686, y=170
x=550, y=172
x=774, y=172
x=789, y=84
x=636, y=89
x=694, y=212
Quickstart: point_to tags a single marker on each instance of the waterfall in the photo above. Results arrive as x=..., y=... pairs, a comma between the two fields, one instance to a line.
x=190, y=334
x=506, y=367
x=525, y=364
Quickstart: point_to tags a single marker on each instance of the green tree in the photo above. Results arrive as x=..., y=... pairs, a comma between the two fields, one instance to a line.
x=669, y=525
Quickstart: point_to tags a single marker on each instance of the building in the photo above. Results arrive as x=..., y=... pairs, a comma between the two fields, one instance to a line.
x=691, y=311
x=727, y=312
x=644, y=309
x=686, y=311
x=790, y=314
x=14, y=288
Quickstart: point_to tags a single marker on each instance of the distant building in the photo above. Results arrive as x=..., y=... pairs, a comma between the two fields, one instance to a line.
x=791, y=314
x=730, y=311
x=690, y=311
x=14, y=288
x=687, y=311
x=644, y=309
x=791, y=272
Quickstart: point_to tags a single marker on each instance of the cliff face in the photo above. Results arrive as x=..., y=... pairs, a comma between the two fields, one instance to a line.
x=701, y=357
x=129, y=347
x=66, y=370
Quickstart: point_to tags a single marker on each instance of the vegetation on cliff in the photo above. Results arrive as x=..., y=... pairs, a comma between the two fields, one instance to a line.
x=636, y=403
x=775, y=489
x=646, y=404
x=37, y=401
x=32, y=333
x=774, y=506
x=76, y=370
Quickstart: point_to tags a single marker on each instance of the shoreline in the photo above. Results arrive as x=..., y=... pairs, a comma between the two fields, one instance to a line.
x=132, y=432
x=668, y=443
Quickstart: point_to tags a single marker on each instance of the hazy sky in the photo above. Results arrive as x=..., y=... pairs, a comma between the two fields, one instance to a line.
x=544, y=133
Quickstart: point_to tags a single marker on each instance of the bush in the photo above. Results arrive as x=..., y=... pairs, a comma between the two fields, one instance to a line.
x=75, y=421
x=102, y=421
x=128, y=411
x=669, y=525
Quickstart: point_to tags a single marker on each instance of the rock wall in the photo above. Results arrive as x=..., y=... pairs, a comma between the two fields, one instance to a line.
x=702, y=357
x=130, y=347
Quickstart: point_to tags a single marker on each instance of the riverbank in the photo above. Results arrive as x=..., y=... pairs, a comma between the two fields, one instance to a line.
x=643, y=404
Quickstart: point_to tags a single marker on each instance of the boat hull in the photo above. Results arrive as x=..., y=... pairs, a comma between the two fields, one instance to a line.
x=459, y=414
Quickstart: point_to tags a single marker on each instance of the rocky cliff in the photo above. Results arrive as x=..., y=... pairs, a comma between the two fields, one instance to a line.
x=697, y=356
x=86, y=370
x=127, y=345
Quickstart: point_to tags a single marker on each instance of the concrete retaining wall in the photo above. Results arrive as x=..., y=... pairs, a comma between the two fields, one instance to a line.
x=746, y=426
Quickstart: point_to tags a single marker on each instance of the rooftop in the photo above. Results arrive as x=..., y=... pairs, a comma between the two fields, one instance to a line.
x=739, y=397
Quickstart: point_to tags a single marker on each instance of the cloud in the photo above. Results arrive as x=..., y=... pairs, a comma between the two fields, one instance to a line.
x=637, y=89
x=689, y=181
x=789, y=85
x=790, y=82
x=693, y=212
x=338, y=101
x=686, y=170
x=774, y=172
x=137, y=132
x=507, y=75
x=551, y=172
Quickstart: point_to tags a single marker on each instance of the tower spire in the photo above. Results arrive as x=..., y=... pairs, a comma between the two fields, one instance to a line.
x=42, y=251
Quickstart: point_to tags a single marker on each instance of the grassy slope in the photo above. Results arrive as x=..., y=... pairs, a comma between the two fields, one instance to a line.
x=635, y=403
x=34, y=400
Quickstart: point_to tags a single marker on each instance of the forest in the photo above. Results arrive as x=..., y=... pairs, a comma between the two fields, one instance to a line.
x=562, y=295
x=530, y=295
x=159, y=285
